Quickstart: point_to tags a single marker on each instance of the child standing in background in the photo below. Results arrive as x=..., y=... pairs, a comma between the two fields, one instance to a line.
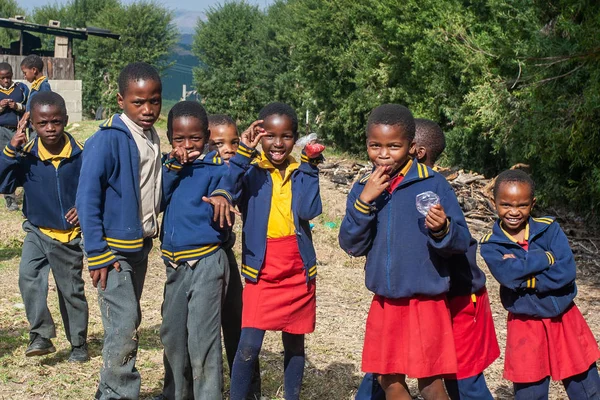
x=547, y=336
x=409, y=329
x=277, y=197
x=32, y=67
x=225, y=140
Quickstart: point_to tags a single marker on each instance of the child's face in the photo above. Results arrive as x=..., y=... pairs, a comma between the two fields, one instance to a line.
x=6, y=78
x=141, y=102
x=387, y=145
x=49, y=122
x=513, y=203
x=279, y=141
x=189, y=134
x=224, y=139
x=29, y=73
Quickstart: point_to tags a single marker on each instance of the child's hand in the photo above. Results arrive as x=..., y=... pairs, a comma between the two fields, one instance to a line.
x=251, y=136
x=20, y=137
x=436, y=218
x=72, y=217
x=4, y=103
x=100, y=275
x=314, y=150
x=507, y=256
x=377, y=183
x=11, y=104
x=223, y=210
x=182, y=155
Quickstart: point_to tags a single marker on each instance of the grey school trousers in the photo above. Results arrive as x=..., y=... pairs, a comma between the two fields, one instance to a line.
x=41, y=254
x=6, y=136
x=191, y=328
x=121, y=317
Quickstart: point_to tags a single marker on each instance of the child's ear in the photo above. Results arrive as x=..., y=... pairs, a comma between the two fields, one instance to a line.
x=421, y=153
x=533, y=202
x=120, y=100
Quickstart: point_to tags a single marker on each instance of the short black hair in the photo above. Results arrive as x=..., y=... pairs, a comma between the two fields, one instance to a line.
x=187, y=109
x=137, y=71
x=393, y=114
x=429, y=135
x=278, y=108
x=49, y=99
x=33, y=61
x=4, y=66
x=514, y=175
x=221, y=119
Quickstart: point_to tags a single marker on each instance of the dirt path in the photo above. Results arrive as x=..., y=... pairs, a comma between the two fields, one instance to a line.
x=333, y=351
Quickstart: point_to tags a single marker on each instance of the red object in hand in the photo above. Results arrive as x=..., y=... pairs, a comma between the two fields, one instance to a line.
x=314, y=150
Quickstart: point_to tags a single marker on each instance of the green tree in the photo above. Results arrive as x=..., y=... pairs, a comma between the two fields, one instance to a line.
x=8, y=9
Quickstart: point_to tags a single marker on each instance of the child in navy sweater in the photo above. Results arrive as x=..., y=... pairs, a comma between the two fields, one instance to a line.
x=225, y=140
x=118, y=201
x=48, y=168
x=13, y=97
x=546, y=333
x=32, y=67
x=197, y=270
x=277, y=197
x=409, y=330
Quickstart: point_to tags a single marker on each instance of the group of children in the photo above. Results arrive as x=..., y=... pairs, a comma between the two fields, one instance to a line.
x=430, y=317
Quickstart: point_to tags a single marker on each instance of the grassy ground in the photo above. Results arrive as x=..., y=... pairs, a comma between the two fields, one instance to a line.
x=333, y=350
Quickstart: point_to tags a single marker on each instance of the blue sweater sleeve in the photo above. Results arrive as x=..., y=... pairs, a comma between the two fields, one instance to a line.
x=562, y=269
x=310, y=205
x=170, y=178
x=357, y=229
x=456, y=237
x=239, y=164
x=10, y=174
x=98, y=163
x=513, y=273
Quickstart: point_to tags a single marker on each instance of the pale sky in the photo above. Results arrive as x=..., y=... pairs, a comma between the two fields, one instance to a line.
x=192, y=5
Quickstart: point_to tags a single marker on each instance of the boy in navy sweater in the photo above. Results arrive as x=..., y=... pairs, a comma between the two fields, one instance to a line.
x=409, y=330
x=13, y=97
x=118, y=203
x=48, y=169
x=546, y=333
x=32, y=67
x=196, y=265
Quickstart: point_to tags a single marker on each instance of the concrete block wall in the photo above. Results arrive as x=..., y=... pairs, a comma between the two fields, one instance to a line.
x=71, y=91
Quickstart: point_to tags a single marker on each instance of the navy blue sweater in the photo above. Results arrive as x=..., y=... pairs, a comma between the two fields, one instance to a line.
x=188, y=231
x=403, y=258
x=49, y=192
x=465, y=276
x=109, y=193
x=539, y=282
x=252, y=188
x=18, y=92
x=39, y=85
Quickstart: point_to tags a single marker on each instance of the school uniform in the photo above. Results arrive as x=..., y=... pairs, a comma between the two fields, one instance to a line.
x=409, y=330
x=41, y=84
x=546, y=334
x=118, y=202
x=197, y=277
x=50, y=184
x=278, y=257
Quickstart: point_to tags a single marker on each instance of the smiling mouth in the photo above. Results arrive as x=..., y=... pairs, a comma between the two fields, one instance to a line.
x=277, y=155
x=513, y=221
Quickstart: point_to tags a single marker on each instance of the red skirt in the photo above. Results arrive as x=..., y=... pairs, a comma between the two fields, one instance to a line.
x=281, y=300
x=559, y=347
x=409, y=336
x=474, y=333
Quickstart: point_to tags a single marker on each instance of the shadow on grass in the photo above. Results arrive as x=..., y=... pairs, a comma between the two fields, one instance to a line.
x=11, y=339
x=8, y=253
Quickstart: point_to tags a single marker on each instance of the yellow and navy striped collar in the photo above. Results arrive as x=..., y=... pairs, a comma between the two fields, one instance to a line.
x=512, y=238
x=264, y=163
x=35, y=85
x=7, y=90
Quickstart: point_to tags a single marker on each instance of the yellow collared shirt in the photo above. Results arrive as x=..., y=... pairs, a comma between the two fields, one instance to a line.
x=55, y=159
x=281, y=218
x=512, y=239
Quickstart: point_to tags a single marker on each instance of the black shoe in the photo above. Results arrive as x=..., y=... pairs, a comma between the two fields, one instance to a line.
x=11, y=203
x=39, y=346
x=79, y=354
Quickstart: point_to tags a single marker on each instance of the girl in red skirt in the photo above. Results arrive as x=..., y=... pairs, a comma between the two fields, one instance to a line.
x=546, y=334
x=277, y=197
x=409, y=331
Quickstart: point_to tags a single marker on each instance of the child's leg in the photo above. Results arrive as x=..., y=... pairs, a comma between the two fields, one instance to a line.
x=206, y=297
x=472, y=388
x=293, y=364
x=532, y=391
x=66, y=262
x=394, y=386
x=585, y=386
x=121, y=316
x=174, y=334
x=432, y=388
x=33, y=283
x=245, y=358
